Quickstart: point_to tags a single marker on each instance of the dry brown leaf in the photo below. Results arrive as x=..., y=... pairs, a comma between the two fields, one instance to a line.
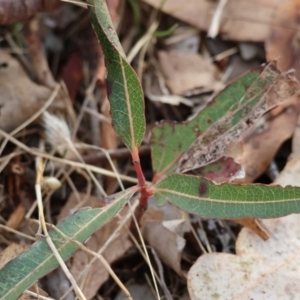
x=36, y=289
x=187, y=71
x=163, y=228
x=20, y=97
x=241, y=20
x=283, y=41
x=15, y=10
x=261, y=269
x=10, y=252
x=97, y=274
x=37, y=53
x=260, y=147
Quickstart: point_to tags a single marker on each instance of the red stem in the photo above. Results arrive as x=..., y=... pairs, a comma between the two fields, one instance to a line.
x=141, y=180
x=141, y=184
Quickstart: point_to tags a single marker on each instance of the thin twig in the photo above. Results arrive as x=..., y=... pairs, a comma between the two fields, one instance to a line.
x=78, y=2
x=145, y=251
x=114, y=154
x=106, y=153
x=65, y=161
x=40, y=167
x=18, y=51
x=161, y=275
x=142, y=41
x=7, y=158
x=88, y=97
x=195, y=234
x=216, y=20
x=205, y=236
x=37, y=296
x=18, y=232
x=101, y=258
x=70, y=143
x=113, y=236
x=98, y=115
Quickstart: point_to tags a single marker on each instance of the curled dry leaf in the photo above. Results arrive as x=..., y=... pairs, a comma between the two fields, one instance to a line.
x=15, y=10
x=261, y=269
x=96, y=274
x=20, y=97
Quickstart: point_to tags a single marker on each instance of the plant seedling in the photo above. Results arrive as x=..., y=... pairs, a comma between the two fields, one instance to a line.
x=176, y=149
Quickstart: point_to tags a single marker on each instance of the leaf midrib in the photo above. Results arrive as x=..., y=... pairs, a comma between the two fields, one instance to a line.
x=128, y=104
x=254, y=202
x=104, y=210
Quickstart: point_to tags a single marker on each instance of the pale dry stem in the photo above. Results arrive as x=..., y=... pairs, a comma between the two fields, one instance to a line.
x=37, y=296
x=101, y=258
x=195, y=234
x=216, y=20
x=147, y=258
x=84, y=166
x=40, y=168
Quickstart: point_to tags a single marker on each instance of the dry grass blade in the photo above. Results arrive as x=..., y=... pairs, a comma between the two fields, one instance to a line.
x=103, y=261
x=40, y=168
x=61, y=160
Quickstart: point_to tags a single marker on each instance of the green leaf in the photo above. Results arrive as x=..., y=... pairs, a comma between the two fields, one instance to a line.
x=223, y=121
x=123, y=87
x=21, y=272
x=166, y=32
x=227, y=201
